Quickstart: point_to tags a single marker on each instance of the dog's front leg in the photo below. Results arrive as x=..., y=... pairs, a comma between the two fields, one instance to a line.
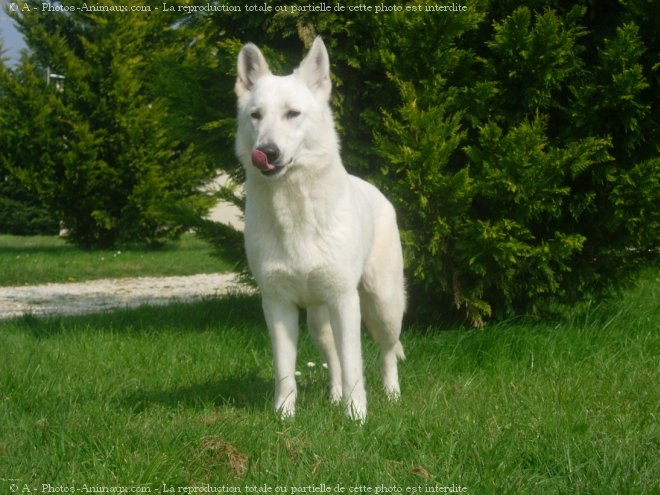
x=282, y=321
x=345, y=321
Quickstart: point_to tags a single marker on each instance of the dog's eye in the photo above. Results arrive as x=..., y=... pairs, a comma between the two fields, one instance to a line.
x=256, y=115
x=292, y=114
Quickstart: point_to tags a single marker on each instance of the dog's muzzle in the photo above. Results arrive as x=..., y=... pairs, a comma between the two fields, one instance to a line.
x=265, y=158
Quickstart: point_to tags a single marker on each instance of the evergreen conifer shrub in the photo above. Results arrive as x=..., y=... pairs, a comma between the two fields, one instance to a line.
x=94, y=143
x=531, y=182
x=519, y=141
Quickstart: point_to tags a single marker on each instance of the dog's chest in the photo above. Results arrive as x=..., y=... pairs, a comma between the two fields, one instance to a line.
x=304, y=256
x=303, y=268
x=304, y=287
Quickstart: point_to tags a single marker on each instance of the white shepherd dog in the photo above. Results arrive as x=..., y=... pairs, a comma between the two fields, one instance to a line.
x=315, y=236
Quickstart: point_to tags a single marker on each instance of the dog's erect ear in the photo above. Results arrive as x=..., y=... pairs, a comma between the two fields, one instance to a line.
x=251, y=66
x=315, y=69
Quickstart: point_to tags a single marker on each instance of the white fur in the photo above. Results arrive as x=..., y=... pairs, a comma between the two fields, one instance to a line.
x=315, y=236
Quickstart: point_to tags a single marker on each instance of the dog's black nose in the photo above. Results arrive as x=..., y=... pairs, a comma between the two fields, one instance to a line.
x=271, y=151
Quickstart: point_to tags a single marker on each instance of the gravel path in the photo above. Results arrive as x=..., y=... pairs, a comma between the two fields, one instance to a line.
x=106, y=294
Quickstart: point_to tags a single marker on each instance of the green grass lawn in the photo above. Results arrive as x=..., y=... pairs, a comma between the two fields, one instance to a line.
x=181, y=396
x=39, y=259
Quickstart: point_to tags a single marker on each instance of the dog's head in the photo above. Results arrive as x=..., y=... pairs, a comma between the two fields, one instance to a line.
x=284, y=122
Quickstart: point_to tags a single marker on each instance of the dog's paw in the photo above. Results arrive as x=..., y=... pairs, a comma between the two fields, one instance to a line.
x=335, y=394
x=357, y=411
x=393, y=392
x=286, y=411
x=286, y=406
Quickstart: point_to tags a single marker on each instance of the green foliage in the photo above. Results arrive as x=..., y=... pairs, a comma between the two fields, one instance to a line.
x=612, y=102
x=99, y=153
x=518, y=141
x=21, y=212
x=534, y=181
x=533, y=57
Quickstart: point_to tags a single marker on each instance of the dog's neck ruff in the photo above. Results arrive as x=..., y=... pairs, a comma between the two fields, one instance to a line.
x=297, y=199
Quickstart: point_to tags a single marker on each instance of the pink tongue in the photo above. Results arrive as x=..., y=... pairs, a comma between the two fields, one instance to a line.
x=260, y=160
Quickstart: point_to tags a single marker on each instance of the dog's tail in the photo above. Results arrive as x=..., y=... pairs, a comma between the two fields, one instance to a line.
x=398, y=350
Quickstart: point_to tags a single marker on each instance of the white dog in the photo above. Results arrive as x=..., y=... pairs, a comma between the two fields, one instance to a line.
x=315, y=236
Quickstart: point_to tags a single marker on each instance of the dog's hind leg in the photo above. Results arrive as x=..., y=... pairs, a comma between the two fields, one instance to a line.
x=383, y=320
x=318, y=321
x=383, y=293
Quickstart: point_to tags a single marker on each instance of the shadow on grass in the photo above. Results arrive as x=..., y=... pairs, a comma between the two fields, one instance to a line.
x=45, y=250
x=53, y=245
x=241, y=391
x=233, y=311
